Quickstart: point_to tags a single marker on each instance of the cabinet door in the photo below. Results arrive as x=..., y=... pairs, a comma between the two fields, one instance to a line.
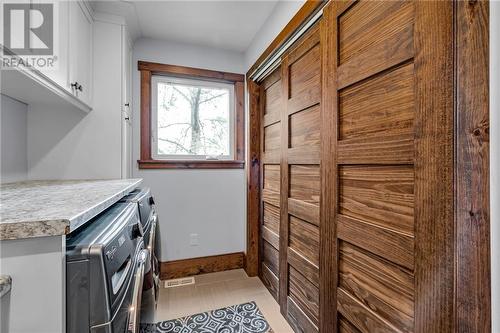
x=80, y=51
x=59, y=74
x=126, y=145
x=126, y=105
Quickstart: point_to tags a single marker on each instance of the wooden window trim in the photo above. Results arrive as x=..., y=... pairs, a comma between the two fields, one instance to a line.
x=148, y=69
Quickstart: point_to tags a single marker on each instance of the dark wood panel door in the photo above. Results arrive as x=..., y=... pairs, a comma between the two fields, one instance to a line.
x=389, y=82
x=271, y=108
x=301, y=183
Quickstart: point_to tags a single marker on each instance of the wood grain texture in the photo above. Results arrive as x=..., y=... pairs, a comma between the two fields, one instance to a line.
x=391, y=149
x=239, y=124
x=304, y=128
x=373, y=36
x=434, y=227
x=271, y=217
x=304, y=44
x=385, y=288
x=304, y=238
x=305, y=81
x=374, y=84
x=380, y=106
x=271, y=79
x=273, y=106
x=305, y=183
x=381, y=195
x=304, y=294
x=306, y=267
x=190, y=72
x=145, y=115
x=298, y=320
x=393, y=246
x=271, y=197
x=272, y=137
x=270, y=179
x=368, y=23
x=302, y=145
x=328, y=265
x=188, y=267
x=304, y=155
x=304, y=210
x=271, y=176
x=284, y=194
x=387, y=86
x=366, y=320
x=346, y=327
x=270, y=236
x=270, y=257
x=190, y=164
x=472, y=215
x=253, y=180
x=270, y=280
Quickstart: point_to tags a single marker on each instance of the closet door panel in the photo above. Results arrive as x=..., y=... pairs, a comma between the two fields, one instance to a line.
x=304, y=293
x=384, y=58
x=375, y=166
x=301, y=183
x=379, y=195
x=379, y=284
x=271, y=110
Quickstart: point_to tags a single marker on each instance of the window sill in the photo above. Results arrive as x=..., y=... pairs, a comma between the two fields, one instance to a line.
x=160, y=164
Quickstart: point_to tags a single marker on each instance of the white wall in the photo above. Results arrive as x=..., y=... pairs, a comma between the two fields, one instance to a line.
x=68, y=144
x=210, y=203
x=280, y=16
x=14, y=155
x=495, y=161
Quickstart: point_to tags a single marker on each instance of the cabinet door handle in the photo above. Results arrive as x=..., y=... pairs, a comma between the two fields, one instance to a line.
x=127, y=104
x=77, y=86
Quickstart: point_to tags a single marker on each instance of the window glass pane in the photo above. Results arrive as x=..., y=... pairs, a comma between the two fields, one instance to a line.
x=193, y=120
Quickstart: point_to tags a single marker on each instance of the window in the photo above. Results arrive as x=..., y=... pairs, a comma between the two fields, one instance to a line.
x=190, y=118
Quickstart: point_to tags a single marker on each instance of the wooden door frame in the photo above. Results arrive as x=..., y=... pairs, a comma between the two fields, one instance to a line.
x=472, y=292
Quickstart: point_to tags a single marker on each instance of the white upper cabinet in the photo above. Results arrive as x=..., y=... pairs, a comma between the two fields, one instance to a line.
x=59, y=74
x=80, y=51
x=69, y=83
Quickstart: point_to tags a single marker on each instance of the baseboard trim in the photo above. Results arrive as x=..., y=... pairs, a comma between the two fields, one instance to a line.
x=188, y=267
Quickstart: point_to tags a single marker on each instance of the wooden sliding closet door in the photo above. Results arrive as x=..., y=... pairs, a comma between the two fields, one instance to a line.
x=300, y=183
x=271, y=108
x=391, y=94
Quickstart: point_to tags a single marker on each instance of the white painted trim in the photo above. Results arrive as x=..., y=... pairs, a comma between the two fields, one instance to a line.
x=109, y=18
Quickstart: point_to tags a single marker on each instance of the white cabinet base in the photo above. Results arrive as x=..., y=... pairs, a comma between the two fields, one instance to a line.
x=37, y=300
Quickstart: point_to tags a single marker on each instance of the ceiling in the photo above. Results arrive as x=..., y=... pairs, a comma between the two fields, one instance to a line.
x=229, y=25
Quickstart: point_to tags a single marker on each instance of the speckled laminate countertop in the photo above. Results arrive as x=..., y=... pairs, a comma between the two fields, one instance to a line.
x=54, y=207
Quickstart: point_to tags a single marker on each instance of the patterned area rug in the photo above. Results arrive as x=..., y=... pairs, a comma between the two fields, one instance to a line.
x=241, y=318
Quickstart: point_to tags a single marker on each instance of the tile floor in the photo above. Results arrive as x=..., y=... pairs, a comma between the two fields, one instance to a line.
x=218, y=290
